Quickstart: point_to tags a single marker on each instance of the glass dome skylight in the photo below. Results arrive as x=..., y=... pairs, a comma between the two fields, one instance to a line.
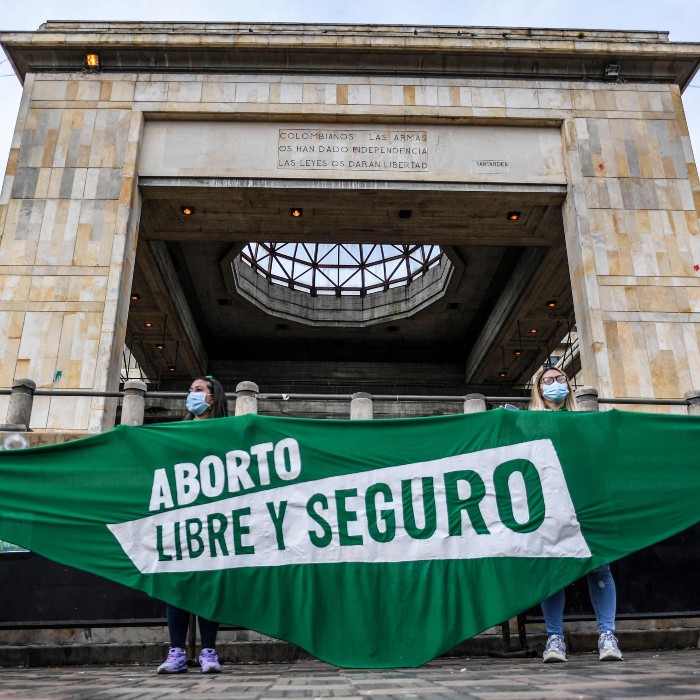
x=340, y=269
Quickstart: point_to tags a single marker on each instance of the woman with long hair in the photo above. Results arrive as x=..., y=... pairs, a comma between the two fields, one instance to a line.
x=205, y=399
x=552, y=391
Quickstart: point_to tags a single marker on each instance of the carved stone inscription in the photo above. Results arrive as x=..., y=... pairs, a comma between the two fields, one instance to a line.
x=491, y=165
x=352, y=149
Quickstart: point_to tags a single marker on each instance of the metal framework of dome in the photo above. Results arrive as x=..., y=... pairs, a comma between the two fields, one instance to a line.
x=352, y=269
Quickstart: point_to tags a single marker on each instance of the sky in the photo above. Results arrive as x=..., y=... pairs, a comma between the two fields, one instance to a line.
x=679, y=17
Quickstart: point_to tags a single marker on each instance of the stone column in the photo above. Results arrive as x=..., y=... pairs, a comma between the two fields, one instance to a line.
x=19, y=412
x=693, y=399
x=361, y=407
x=134, y=404
x=72, y=175
x=474, y=403
x=247, y=401
x=587, y=399
x=631, y=230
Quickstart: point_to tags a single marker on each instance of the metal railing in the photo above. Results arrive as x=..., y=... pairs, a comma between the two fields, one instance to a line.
x=247, y=396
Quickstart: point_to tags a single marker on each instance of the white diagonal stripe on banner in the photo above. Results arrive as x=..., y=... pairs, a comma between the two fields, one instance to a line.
x=327, y=520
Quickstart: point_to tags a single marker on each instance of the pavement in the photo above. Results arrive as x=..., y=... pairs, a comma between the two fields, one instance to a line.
x=643, y=674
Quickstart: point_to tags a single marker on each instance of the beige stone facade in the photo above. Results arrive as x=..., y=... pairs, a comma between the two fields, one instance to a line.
x=67, y=246
x=71, y=204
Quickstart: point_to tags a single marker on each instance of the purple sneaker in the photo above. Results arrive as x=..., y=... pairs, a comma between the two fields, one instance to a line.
x=175, y=663
x=209, y=661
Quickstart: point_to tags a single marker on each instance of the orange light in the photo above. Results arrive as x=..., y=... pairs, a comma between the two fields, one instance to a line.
x=513, y=215
x=148, y=324
x=517, y=353
x=171, y=368
x=187, y=211
x=135, y=297
x=551, y=304
x=296, y=212
x=533, y=331
x=92, y=61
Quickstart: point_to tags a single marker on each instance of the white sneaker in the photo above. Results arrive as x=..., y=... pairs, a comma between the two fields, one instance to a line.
x=607, y=648
x=555, y=650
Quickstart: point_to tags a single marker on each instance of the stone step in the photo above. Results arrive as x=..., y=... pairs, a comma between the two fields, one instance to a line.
x=274, y=651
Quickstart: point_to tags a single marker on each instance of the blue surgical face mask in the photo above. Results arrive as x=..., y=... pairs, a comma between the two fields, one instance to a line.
x=555, y=392
x=197, y=402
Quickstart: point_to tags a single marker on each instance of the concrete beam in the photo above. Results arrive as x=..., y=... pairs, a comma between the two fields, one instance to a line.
x=512, y=295
x=483, y=52
x=167, y=293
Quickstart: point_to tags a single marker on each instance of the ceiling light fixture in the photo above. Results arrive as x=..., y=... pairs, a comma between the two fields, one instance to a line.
x=135, y=296
x=187, y=211
x=518, y=352
x=171, y=368
x=504, y=372
x=533, y=331
x=148, y=324
x=551, y=304
x=296, y=212
x=513, y=215
x=160, y=346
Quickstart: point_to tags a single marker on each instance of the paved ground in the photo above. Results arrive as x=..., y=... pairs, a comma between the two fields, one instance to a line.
x=643, y=674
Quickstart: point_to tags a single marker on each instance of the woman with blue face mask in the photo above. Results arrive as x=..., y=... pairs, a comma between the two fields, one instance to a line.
x=205, y=399
x=551, y=391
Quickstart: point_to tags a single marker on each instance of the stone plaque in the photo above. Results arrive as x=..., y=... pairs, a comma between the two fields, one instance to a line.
x=392, y=150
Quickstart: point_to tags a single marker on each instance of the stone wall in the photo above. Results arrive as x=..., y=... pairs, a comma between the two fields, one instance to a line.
x=632, y=236
x=69, y=212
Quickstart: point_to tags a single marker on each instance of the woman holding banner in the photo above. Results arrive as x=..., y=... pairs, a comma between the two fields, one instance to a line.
x=551, y=391
x=205, y=399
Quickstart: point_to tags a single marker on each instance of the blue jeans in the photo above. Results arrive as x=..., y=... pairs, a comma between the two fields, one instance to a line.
x=601, y=588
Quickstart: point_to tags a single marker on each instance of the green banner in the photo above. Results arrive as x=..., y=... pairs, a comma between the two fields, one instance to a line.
x=368, y=543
